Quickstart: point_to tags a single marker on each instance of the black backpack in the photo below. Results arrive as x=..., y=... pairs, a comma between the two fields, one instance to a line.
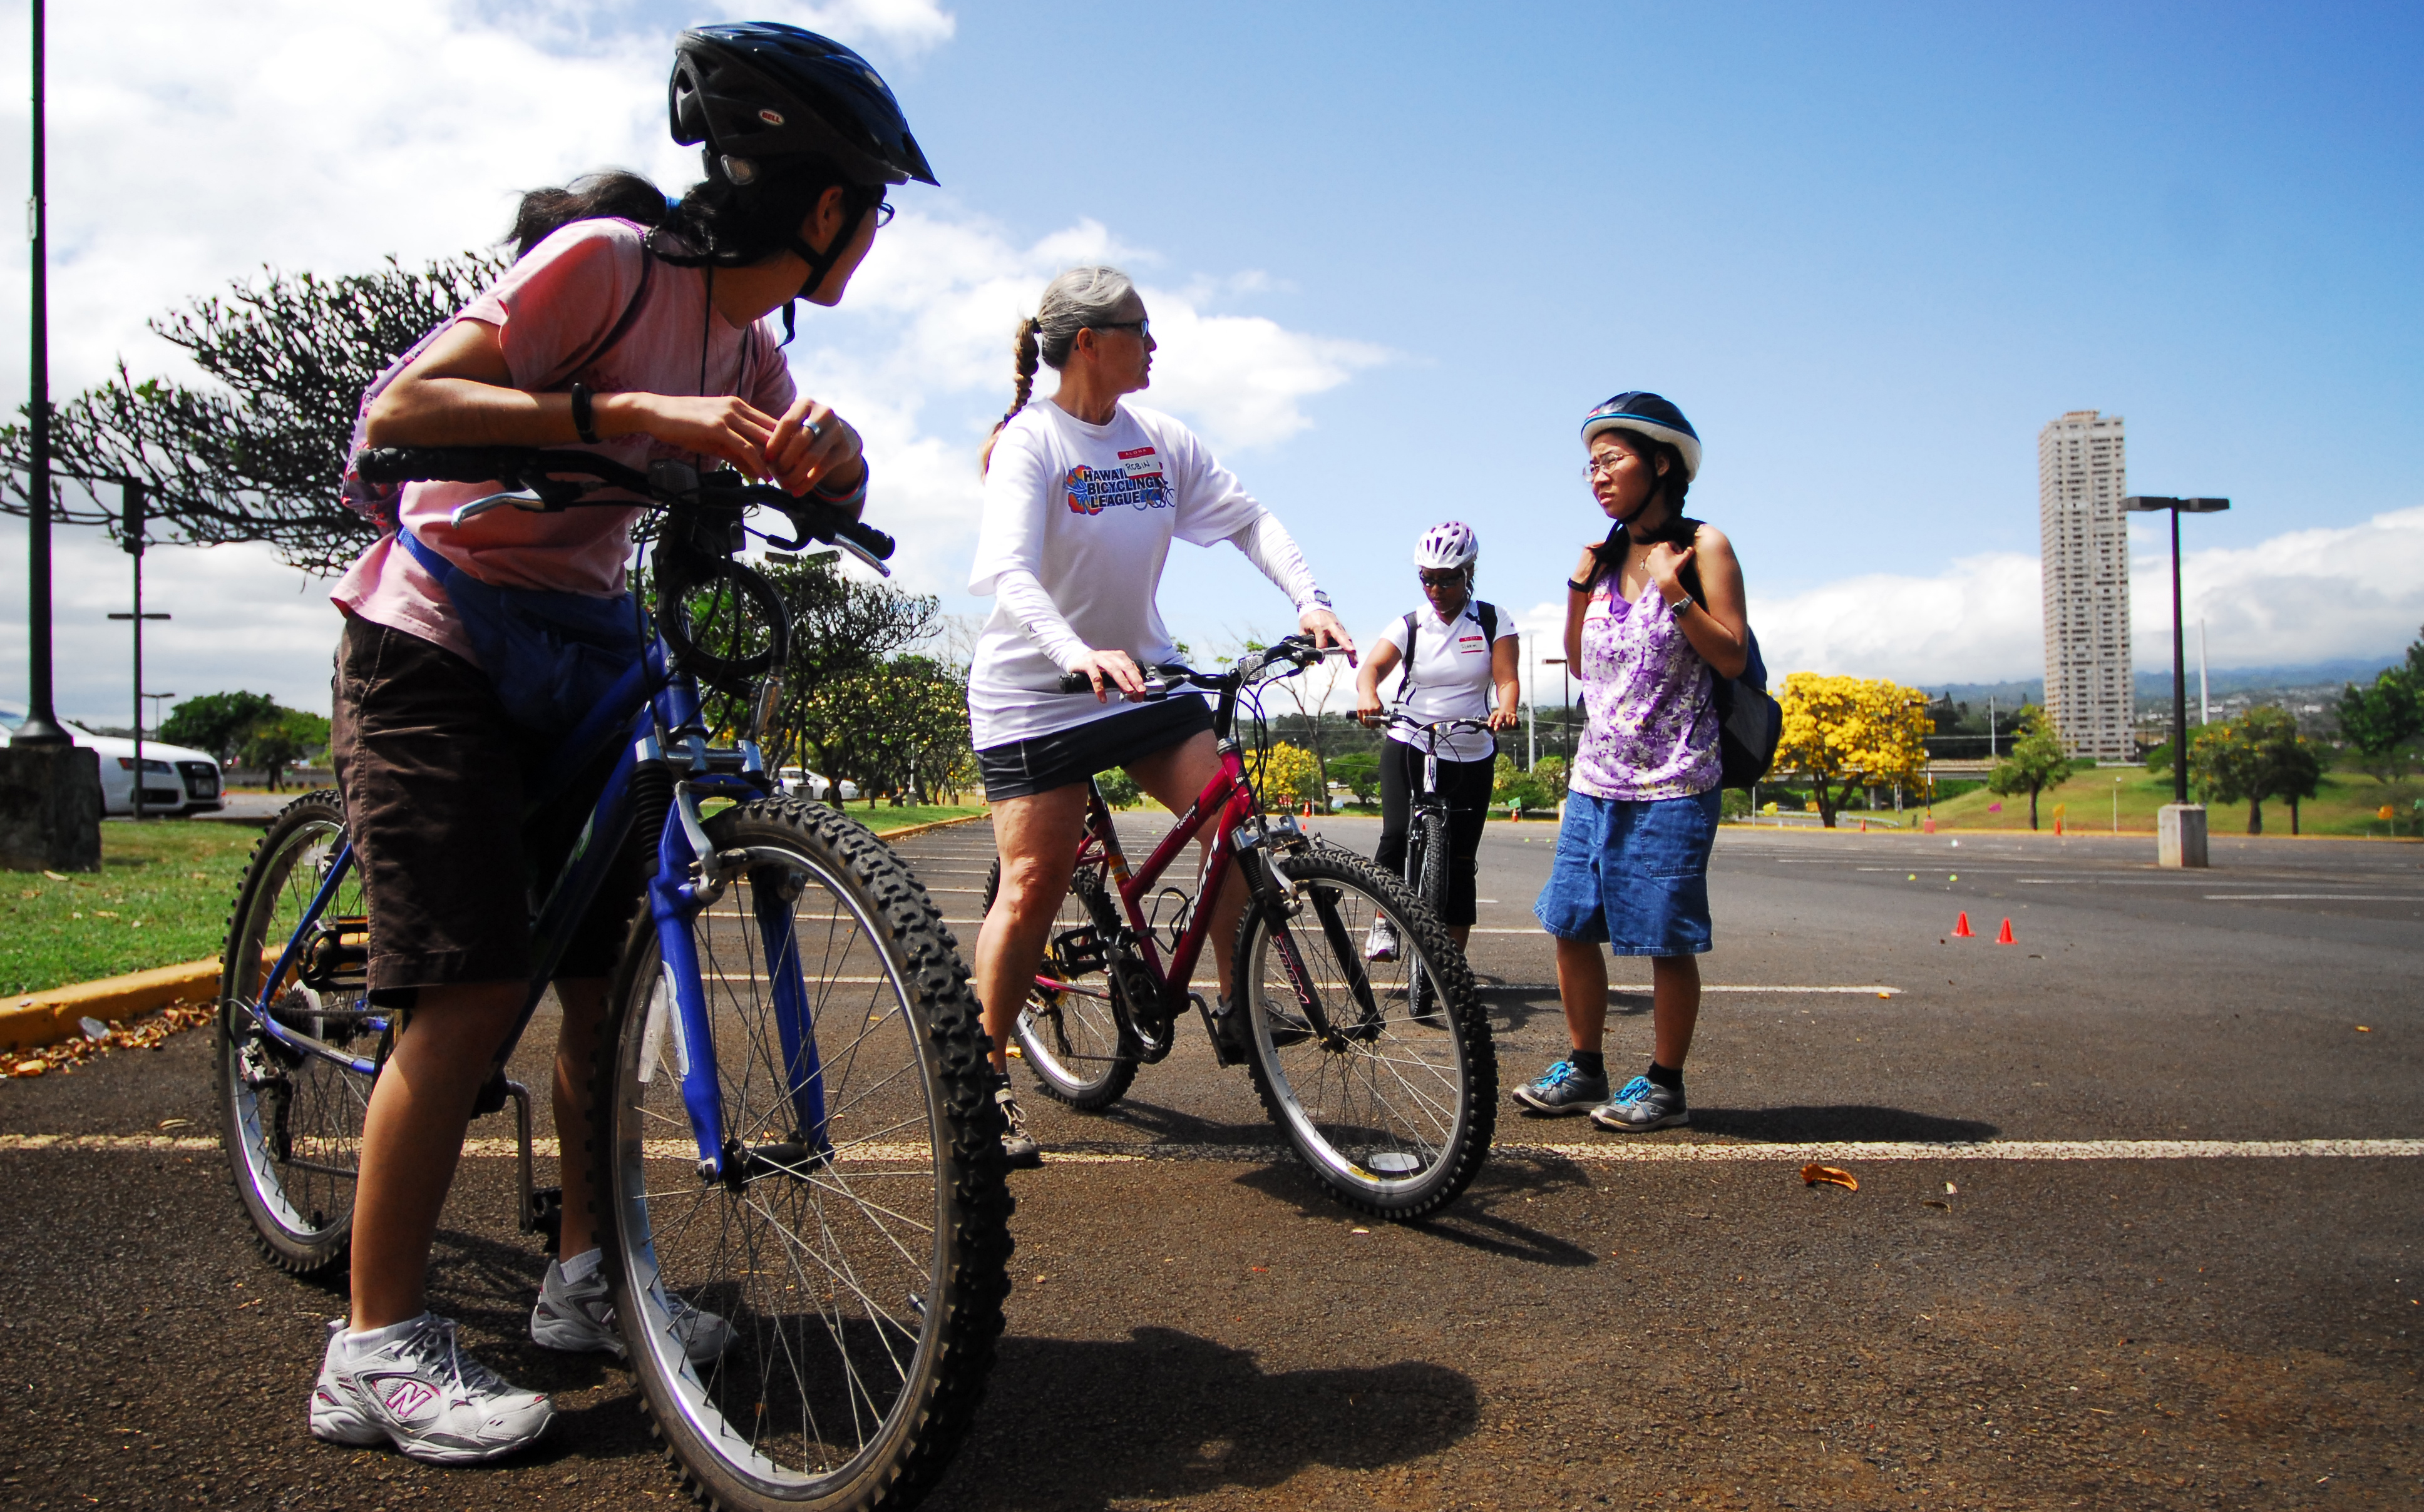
x=1487, y=614
x=1750, y=724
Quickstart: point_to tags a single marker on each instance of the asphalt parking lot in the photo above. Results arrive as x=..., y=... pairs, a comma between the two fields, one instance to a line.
x=2096, y=1258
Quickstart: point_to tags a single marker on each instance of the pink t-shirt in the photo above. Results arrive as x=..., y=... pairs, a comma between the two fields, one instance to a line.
x=549, y=310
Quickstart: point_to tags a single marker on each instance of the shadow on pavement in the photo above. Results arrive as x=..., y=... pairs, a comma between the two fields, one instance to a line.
x=1074, y=1424
x=1472, y=1220
x=1859, y=1121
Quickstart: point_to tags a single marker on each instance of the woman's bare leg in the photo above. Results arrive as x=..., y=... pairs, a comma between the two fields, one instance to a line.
x=583, y=1001
x=1582, y=990
x=1674, y=1007
x=412, y=1138
x=1037, y=837
x=1175, y=778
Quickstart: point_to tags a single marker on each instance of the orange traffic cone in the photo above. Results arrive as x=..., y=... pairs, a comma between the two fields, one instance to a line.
x=2057, y=826
x=1961, y=930
x=2005, y=937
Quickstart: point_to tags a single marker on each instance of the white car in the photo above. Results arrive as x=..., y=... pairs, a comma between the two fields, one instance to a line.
x=808, y=785
x=175, y=780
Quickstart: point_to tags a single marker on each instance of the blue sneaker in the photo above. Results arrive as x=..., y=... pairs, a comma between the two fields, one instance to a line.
x=1641, y=1105
x=1560, y=1090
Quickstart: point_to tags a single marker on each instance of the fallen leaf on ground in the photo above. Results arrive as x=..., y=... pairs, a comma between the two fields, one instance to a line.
x=1813, y=1174
x=29, y=1068
x=1936, y=1202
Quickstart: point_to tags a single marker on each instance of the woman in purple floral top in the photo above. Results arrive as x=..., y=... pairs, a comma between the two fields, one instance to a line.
x=1654, y=613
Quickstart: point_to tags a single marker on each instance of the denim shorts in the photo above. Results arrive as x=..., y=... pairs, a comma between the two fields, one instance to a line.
x=1634, y=876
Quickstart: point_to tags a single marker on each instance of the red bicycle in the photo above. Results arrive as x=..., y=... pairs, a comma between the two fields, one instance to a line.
x=1391, y=1108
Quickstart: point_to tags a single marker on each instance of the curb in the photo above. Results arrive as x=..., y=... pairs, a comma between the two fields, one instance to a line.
x=887, y=837
x=37, y=1019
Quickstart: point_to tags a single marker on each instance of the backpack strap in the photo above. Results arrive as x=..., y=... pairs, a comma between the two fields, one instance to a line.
x=1406, y=675
x=622, y=326
x=1487, y=613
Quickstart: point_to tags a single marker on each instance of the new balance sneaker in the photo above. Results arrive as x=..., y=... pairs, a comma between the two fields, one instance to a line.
x=1380, y=942
x=417, y=1390
x=1641, y=1105
x=1562, y=1089
x=1017, y=1146
x=578, y=1318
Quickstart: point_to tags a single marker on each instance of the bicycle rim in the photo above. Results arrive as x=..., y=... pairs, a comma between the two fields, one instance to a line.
x=1077, y=1041
x=1392, y=1113
x=862, y=1282
x=292, y=1123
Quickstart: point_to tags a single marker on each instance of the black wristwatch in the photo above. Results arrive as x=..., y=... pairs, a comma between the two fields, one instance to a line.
x=585, y=417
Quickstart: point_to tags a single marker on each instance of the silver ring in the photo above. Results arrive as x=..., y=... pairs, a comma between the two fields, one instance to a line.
x=816, y=432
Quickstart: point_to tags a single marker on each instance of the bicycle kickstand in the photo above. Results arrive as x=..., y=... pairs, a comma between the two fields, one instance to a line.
x=542, y=1208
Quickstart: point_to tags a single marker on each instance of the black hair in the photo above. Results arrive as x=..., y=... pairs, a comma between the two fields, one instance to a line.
x=617, y=193
x=728, y=224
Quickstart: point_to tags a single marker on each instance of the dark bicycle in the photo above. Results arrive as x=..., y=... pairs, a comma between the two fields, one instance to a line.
x=793, y=1128
x=1427, y=853
x=1394, y=1116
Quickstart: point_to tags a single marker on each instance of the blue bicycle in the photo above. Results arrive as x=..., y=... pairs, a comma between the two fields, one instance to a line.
x=793, y=1125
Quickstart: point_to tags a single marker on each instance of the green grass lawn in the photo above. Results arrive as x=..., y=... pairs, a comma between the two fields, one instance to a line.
x=163, y=893
x=2348, y=804
x=161, y=896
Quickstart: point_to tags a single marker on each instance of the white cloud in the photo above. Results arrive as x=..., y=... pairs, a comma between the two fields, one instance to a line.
x=193, y=144
x=2306, y=596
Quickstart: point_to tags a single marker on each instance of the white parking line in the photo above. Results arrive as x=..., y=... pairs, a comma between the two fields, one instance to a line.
x=2345, y=897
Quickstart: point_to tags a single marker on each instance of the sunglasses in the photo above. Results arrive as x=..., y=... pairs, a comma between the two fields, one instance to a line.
x=1439, y=578
x=1142, y=327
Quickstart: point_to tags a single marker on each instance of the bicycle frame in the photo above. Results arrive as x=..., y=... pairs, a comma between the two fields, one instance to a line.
x=655, y=710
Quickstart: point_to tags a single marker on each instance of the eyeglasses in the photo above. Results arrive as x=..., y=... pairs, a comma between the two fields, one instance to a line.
x=1142, y=327
x=1439, y=578
x=1605, y=465
x=884, y=210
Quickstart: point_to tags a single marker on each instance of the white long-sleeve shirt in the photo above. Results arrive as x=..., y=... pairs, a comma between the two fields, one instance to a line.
x=1077, y=524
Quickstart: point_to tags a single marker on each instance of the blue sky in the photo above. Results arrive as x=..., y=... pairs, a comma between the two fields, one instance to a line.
x=1400, y=249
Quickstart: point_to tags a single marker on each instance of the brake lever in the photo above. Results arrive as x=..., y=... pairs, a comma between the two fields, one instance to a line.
x=528, y=502
x=846, y=544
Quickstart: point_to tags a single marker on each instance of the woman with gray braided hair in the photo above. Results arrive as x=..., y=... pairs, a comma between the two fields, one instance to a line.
x=1084, y=493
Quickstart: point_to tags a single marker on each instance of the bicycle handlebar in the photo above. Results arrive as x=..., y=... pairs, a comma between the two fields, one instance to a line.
x=549, y=478
x=1296, y=650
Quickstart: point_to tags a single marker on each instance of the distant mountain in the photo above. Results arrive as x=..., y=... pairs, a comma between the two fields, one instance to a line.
x=2157, y=684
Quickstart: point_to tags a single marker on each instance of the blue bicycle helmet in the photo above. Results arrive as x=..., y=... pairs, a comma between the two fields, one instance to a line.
x=761, y=89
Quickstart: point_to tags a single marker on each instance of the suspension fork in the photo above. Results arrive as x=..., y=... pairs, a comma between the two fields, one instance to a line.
x=803, y=1073
x=673, y=904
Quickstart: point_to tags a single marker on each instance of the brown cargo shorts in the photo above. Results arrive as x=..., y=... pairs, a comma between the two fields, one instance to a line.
x=434, y=774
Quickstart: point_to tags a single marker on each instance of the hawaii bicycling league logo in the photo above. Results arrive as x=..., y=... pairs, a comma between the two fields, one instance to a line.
x=1138, y=482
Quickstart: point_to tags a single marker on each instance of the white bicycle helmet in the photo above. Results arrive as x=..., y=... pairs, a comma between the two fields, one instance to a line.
x=1452, y=544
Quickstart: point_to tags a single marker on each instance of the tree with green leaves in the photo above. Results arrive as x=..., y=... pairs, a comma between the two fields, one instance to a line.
x=2035, y=763
x=900, y=729
x=272, y=747
x=255, y=452
x=1360, y=771
x=218, y=723
x=2260, y=755
x=2384, y=722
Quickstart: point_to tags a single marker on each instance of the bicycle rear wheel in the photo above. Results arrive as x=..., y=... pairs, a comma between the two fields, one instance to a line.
x=1394, y=1115
x=860, y=1264
x=1076, y=1040
x=291, y=1120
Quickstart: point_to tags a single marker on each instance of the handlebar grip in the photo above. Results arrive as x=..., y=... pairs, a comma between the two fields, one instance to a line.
x=1077, y=682
x=873, y=541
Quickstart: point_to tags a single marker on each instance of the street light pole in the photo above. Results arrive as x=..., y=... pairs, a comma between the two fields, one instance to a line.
x=2147, y=504
x=41, y=726
x=131, y=528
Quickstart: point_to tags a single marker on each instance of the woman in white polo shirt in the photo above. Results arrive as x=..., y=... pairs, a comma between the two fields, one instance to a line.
x=1084, y=493
x=1463, y=651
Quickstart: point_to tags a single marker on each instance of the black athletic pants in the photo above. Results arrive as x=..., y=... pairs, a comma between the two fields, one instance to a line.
x=1465, y=785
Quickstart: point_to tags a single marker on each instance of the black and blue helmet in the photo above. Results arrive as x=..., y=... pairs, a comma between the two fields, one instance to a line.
x=758, y=89
x=1652, y=416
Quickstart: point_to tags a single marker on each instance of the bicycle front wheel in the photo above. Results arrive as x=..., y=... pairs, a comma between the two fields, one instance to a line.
x=291, y=1117
x=1075, y=1037
x=1391, y=1111
x=811, y=1328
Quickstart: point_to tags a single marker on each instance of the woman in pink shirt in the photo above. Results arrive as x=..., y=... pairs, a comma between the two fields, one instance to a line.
x=637, y=327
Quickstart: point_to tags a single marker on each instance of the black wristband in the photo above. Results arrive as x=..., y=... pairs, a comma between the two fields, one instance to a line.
x=1581, y=587
x=584, y=419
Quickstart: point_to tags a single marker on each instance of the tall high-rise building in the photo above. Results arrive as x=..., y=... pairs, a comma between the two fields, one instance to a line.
x=2081, y=477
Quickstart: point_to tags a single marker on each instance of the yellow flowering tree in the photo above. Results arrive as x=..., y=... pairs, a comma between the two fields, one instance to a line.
x=1286, y=774
x=1848, y=733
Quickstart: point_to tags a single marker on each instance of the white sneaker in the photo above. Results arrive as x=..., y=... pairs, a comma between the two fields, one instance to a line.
x=578, y=1318
x=1382, y=943
x=420, y=1393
